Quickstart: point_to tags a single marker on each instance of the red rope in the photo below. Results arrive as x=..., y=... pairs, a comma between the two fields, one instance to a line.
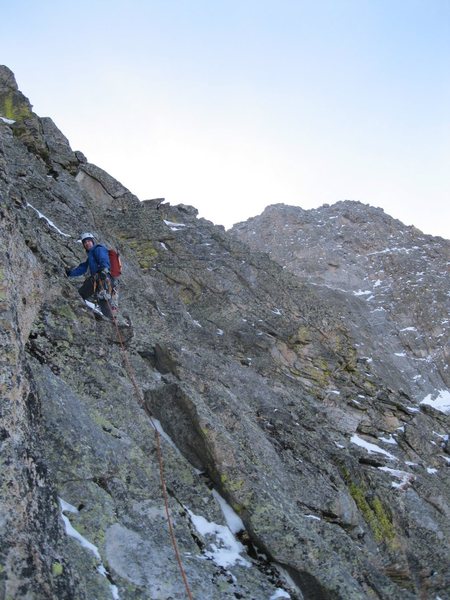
x=140, y=399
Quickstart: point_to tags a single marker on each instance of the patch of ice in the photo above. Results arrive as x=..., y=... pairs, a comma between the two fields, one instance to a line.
x=219, y=331
x=42, y=216
x=276, y=311
x=431, y=470
x=371, y=448
x=409, y=329
x=400, y=354
x=362, y=293
x=312, y=517
x=163, y=245
x=440, y=402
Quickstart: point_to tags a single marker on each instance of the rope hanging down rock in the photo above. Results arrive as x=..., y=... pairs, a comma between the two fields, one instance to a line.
x=140, y=399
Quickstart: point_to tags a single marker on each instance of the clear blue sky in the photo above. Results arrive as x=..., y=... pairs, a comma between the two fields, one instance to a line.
x=234, y=105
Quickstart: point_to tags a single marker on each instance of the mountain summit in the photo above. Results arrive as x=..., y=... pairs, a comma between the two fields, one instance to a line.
x=294, y=373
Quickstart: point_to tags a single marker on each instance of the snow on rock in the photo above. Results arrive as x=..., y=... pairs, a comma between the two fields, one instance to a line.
x=279, y=594
x=389, y=440
x=42, y=216
x=174, y=226
x=371, y=448
x=404, y=477
x=224, y=549
x=72, y=532
x=440, y=402
x=232, y=519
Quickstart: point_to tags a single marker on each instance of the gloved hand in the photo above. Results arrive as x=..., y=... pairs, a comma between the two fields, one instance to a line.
x=104, y=274
x=67, y=270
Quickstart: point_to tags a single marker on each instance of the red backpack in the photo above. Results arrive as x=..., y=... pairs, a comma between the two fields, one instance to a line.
x=115, y=263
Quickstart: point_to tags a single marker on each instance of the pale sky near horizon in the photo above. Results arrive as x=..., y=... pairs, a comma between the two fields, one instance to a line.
x=234, y=105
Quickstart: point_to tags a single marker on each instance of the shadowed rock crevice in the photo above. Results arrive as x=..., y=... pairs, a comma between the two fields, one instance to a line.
x=180, y=420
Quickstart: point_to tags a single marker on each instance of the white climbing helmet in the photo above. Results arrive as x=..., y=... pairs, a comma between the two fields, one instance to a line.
x=86, y=236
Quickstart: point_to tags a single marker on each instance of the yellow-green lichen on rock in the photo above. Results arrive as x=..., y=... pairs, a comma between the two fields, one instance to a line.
x=57, y=569
x=374, y=513
x=12, y=107
x=145, y=252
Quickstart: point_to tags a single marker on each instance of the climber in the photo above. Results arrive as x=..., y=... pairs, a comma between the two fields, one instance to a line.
x=100, y=284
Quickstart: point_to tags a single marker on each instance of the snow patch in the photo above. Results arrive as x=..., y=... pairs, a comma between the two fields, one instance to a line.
x=175, y=226
x=404, y=477
x=389, y=440
x=279, y=593
x=42, y=216
x=371, y=448
x=72, y=532
x=440, y=402
x=7, y=121
x=225, y=550
x=232, y=519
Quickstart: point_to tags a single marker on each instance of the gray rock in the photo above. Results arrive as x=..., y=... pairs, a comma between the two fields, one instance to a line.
x=259, y=380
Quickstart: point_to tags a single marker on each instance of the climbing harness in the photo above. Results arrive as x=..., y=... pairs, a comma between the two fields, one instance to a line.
x=140, y=399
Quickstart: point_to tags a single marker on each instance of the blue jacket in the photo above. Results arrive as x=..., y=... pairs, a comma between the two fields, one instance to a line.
x=97, y=260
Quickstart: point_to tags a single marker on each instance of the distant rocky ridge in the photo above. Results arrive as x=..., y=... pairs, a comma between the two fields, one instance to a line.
x=394, y=278
x=270, y=387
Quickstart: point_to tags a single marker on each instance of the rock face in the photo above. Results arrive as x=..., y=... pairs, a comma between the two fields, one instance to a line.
x=298, y=459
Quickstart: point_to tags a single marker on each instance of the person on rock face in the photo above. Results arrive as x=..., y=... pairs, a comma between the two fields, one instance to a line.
x=99, y=284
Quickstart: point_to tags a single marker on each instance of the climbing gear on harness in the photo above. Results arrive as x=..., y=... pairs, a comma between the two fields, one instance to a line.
x=102, y=285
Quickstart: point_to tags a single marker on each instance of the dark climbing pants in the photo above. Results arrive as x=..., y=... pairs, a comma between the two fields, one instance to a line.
x=88, y=289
